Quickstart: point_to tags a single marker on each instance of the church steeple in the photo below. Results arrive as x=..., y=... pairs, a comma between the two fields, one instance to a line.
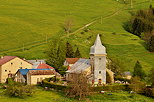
x=98, y=48
x=98, y=61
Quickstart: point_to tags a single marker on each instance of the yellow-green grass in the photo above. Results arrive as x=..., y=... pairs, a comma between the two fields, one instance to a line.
x=29, y=23
x=41, y=95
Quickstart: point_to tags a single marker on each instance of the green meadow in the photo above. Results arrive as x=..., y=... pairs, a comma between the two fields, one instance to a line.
x=41, y=95
x=27, y=25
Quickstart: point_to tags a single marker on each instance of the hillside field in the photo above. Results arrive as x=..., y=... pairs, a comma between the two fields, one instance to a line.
x=27, y=25
x=52, y=96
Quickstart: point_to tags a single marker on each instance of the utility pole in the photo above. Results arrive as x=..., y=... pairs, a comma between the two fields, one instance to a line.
x=131, y=3
x=23, y=47
x=101, y=19
x=46, y=38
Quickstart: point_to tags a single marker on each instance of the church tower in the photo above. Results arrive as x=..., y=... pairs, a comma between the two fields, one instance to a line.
x=98, y=62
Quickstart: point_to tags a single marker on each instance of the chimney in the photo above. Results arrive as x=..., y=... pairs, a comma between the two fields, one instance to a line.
x=2, y=57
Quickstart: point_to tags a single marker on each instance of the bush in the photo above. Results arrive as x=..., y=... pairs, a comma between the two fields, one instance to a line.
x=45, y=83
x=19, y=90
x=112, y=88
x=149, y=92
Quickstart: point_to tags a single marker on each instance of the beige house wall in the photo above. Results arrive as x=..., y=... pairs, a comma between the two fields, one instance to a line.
x=12, y=67
x=34, y=79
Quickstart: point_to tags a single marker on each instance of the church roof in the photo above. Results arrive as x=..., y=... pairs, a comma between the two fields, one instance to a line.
x=98, y=48
x=80, y=66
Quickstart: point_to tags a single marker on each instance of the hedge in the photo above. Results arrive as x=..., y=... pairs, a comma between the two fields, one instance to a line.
x=112, y=88
x=45, y=83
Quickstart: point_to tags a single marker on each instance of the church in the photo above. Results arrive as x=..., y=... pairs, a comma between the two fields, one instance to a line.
x=95, y=67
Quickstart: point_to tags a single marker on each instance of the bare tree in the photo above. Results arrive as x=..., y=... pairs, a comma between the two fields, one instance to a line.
x=67, y=26
x=78, y=86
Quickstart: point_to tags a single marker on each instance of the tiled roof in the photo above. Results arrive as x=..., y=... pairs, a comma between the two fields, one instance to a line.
x=44, y=66
x=72, y=60
x=6, y=59
x=41, y=72
x=25, y=71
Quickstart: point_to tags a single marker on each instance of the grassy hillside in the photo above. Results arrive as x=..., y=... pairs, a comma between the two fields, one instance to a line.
x=29, y=23
x=52, y=96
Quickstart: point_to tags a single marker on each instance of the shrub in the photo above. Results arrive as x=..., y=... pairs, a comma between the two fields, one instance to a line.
x=112, y=88
x=45, y=83
x=149, y=92
x=19, y=90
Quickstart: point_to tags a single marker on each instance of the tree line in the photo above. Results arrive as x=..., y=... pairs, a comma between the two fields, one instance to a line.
x=142, y=25
x=57, y=52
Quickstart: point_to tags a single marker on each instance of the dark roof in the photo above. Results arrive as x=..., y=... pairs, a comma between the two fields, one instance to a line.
x=25, y=71
x=5, y=59
x=72, y=60
x=41, y=72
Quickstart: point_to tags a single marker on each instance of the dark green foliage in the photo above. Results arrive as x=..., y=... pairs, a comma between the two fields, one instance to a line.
x=138, y=72
x=69, y=50
x=46, y=83
x=77, y=53
x=55, y=55
x=151, y=77
x=112, y=88
x=19, y=90
x=141, y=22
x=151, y=44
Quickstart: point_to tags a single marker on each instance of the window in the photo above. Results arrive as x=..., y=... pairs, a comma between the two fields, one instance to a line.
x=5, y=70
x=9, y=71
x=99, y=72
x=21, y=63
x=11, y=63
x=20, y=67
x=99, y=58
x=37, y=79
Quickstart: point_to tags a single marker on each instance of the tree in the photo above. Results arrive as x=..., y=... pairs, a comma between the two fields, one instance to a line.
x=68, y=25
x=19, y=90
x=152, y=77
x=69, y=50
x=78, y=86
x=55, y=54
x=151, y=44
x=77, y=53
x=136, y=85
x=138, y=72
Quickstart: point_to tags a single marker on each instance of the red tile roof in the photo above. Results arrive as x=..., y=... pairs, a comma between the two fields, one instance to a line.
x=41, y=72
x=72, y=60
x=44, y=66
x=6, y=59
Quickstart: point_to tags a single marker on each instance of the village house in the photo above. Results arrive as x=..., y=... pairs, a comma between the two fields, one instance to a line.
x=95, y=67
x=70, y=61
x=33, y=76
x=9, y=65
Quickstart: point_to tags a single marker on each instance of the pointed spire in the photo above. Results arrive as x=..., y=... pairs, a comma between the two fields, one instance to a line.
x=98, y=40
x=98, y=48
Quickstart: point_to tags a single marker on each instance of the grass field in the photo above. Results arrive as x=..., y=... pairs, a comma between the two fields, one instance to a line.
x=28, y=23
x=53, y=96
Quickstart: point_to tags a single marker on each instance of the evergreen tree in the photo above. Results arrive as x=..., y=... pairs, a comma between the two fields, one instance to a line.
x=69, y=50
x=151, y=44
x=138, y=72
x=55, y=55
x=77, y=53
